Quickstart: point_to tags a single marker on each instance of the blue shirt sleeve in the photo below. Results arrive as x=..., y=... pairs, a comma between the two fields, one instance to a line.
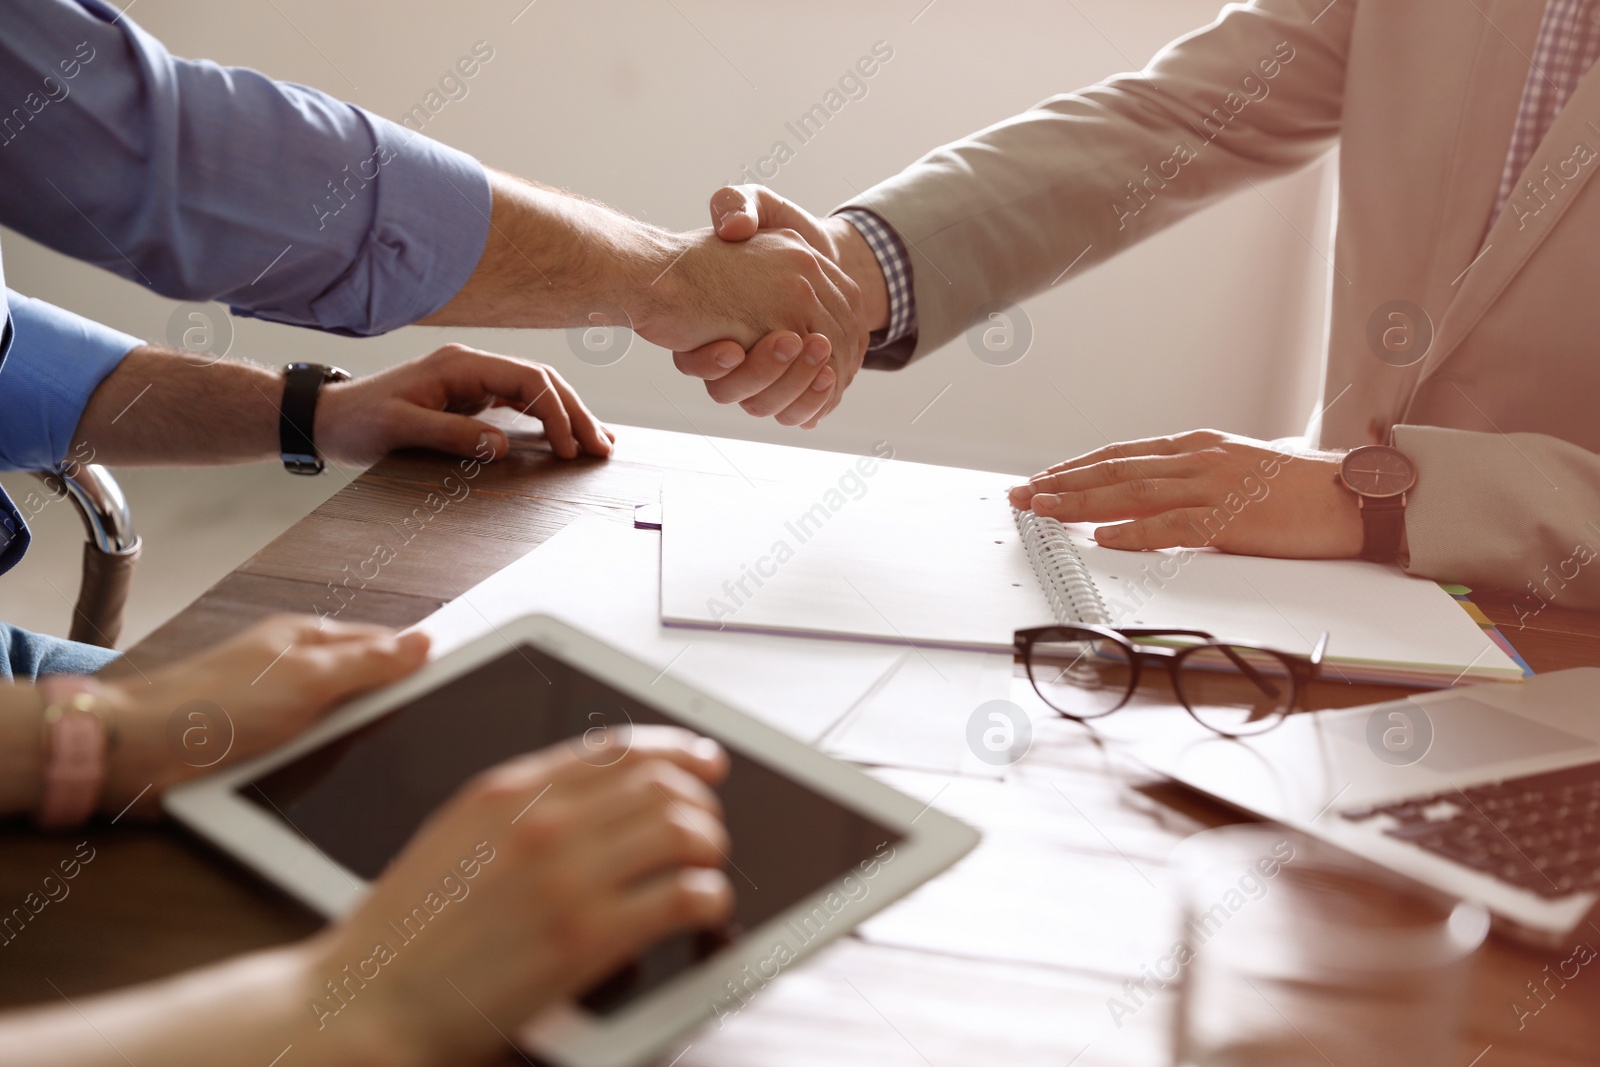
x=53, y=362
x=205, y=182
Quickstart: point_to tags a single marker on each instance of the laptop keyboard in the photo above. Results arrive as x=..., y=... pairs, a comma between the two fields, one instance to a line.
x=1540, y=833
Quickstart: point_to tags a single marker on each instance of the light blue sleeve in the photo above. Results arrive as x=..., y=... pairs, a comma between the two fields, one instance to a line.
x=53, y=362
x=204, y=182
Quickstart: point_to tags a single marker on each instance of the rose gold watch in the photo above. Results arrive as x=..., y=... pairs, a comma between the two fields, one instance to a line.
x=1380, y=477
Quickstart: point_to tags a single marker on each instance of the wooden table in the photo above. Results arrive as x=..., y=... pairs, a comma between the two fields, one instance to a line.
x=154, y=901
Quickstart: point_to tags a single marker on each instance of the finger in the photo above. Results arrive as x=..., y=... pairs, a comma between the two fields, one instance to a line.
x=738, y=212
x=700, y=756
x=648, y=788
x=1135, y=499
x=845, y=373
x=767, y=362
x=277, y=631
x=711, y=362
x=1150, y=446
x=809, y=408
x=658, y=838
x=1182, y=528
x=591, y=434
x=694, y=899
x=458, y=435
x=1172, y=445
x=734, y=213
x=1105, y=473
x=840, y=298
x=531, y=388
x=565, y=764
x=794, y=384
x=351, y=667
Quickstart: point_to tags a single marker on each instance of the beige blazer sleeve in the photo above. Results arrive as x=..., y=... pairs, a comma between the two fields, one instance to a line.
x=999, y=215
x=1517, y=511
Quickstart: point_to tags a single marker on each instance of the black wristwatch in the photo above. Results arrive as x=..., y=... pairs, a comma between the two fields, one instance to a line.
x=298, y=412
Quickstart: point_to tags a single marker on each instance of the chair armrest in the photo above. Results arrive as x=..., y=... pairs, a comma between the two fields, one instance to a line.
x=106, y=516
x=109, y=555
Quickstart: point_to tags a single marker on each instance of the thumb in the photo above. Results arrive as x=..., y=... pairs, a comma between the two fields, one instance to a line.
x=735, y=213
x=459, y=435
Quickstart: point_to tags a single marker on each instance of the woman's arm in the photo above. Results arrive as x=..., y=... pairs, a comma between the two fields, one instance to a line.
x=540, y=877
x=252, y=692
x=247, y=1011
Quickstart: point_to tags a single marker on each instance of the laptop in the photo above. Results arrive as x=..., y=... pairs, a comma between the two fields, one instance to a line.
x=1491, y=792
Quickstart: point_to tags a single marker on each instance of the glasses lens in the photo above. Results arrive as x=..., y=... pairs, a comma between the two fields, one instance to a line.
x=1080, y=674
x=1236, y=691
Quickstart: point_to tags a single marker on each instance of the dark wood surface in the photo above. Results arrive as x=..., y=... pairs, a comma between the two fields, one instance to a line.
x=154, y=901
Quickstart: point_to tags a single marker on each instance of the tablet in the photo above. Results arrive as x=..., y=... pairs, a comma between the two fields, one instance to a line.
x=817, y=846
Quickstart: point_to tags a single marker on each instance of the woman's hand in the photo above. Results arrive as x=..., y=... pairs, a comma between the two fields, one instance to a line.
x=1204, y=488
x=241, y=698
x=539, y=878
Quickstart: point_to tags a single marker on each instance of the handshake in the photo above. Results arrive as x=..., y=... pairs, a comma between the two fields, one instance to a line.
x=811, y=288
x=771, y=307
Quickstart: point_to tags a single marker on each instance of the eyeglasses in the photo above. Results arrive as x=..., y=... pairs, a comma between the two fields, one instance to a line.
x=1237, y=689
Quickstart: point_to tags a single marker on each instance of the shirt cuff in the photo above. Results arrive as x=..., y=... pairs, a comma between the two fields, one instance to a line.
x=54, y=362
x=896, y=267
x=428, y=232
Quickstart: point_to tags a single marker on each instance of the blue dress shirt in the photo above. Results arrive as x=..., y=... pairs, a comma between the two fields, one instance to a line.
x=201, y=182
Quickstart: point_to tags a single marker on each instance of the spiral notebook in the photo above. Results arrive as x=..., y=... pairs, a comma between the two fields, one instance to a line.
x=936, y=556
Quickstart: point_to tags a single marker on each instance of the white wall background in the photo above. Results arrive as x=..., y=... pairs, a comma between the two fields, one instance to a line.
x=649, y=105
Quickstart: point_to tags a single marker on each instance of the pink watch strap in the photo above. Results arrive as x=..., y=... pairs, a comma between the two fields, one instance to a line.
x=75, y=740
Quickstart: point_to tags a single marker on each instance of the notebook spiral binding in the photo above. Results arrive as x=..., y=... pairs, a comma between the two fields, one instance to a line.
x=1067, y=584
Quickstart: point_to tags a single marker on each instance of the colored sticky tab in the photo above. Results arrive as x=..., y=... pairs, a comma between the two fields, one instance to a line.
x=1455, y=590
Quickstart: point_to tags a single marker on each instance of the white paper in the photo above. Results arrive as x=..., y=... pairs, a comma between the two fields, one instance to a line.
x=602, y=577
x=1030, y=892
x=909, y=553
x=917, y=717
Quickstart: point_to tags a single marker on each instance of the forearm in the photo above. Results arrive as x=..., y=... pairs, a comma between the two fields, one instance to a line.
x=160, y=407
x=246, y=1012
x=1520, y=512
x=554, y=260
x=1004, y=213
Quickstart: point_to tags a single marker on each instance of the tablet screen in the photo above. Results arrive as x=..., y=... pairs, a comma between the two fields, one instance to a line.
x=360, y=798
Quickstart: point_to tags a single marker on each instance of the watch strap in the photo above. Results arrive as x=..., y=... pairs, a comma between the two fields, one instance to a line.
x=1383, y=522
x=297, y=414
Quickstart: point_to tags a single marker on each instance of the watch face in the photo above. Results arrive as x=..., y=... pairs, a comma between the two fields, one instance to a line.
x=1374, y=470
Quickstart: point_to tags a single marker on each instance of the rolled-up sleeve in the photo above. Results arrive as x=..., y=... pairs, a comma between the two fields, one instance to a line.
x=52, y=365
x=205, y=182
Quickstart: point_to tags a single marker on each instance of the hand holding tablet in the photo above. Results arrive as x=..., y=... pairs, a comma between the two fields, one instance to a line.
x=536, y=838
x=536, y=880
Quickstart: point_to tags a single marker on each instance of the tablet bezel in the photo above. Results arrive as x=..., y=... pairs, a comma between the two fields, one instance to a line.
x=931, y=841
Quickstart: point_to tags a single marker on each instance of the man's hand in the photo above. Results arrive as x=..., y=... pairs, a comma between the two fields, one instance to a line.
x=708, y=289
x=543, y=876
x=555, y=260
x=160, y=408
x=429, y=402
x=241, y=698
x=1201, y=489
x=741, y=213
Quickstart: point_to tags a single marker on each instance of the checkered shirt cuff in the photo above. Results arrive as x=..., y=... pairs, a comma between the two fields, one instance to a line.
x=896, y=267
